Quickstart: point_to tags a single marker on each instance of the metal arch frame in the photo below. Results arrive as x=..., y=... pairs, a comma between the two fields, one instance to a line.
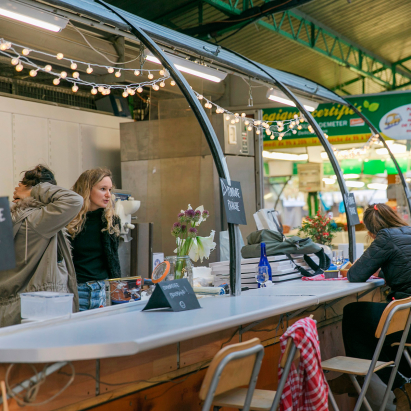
x=207, y=128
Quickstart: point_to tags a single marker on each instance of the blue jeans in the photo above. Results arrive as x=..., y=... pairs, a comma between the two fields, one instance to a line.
x=91, y=295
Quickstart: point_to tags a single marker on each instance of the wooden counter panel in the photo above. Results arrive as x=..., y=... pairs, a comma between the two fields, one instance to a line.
x=204, y=348
x=137, y=368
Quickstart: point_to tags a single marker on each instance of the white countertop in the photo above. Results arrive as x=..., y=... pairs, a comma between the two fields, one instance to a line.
x=126, y=330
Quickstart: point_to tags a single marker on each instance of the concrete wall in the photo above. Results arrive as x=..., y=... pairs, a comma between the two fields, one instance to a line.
x=68, y=140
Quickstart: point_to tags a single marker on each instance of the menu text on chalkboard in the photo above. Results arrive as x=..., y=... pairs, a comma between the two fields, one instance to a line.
x=7, y=258
x=233, y=202
x=176, y=295
x=351, y=209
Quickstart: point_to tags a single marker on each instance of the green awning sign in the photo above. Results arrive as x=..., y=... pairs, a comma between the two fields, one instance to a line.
x=390, y=112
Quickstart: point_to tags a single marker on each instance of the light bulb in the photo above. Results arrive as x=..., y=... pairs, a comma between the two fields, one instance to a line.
x=162, y=84
x=155, y=87
x=131, y=92
x=227, y=118
x=297, y=122
x=295, y=115
x=74, y=88
x=3, y=46
x=15, y=61
x=299, y=127
x=56, y=81
x=100, y=89
x=125, y=94
x=249, y=128
x=272, y=137
x=232, y=121
x=76, y=74
x=48, y=67
x=280, y=137
x=110, y=70
x=107, y=91
x=73, y=66
x=236, y=114
x=326, y=135
x=294, y=131
x=268, y=132
x=19, y=67
x=257, y=131
x=243, y=115
x=8, y=45
x=33, y=73
x=246, y=122
x=136, y=72
x=279, y=123
x=139, y=89
x=161, y=72
x=150, y=76
x=301, y=120
x=94, y=91
x=200, y=97
x=118, y=74
x=237, y=120
x=89, y=70
x=172, y=83
x=60, y=56
x=257, y=122
x=63, y=74
x=290, y=125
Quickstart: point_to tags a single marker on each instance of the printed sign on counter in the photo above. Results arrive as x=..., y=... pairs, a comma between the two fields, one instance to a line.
x=233, y=202
x=352, y=209
x=176, y=295
x=7, y=258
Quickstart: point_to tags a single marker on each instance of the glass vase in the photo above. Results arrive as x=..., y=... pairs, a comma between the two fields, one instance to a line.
x=180, y=267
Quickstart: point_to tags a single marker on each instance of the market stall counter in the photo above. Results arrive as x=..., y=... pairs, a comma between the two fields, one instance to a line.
x=161, y=346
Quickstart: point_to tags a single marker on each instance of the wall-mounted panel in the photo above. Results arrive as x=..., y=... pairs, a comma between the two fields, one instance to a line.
x=65, y=151
x=31, y=145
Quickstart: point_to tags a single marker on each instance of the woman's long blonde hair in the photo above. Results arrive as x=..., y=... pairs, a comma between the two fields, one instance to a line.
x=83, y=186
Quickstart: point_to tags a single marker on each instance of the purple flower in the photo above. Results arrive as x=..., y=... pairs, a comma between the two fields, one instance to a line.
x=183, y=228
x=192, y=232
x=189, y=213
x=206, y=214
x=197, y=215
x=177, y=225
x=176, y=231
x=181, y=217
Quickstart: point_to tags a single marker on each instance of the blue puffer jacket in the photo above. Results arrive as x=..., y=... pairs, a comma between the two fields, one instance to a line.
x=390, y=251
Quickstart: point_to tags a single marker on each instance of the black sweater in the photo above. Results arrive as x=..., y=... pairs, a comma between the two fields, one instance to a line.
x=390, y=251
x=95, y=252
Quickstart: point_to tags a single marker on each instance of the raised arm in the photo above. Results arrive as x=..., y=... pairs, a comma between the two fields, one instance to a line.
x=61, y=206
x=372, y=259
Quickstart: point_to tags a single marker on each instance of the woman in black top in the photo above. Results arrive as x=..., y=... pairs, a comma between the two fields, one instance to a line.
x=390, y=256
x=95, y=238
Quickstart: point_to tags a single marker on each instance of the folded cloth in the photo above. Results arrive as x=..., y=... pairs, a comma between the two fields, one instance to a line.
x=321, y=277
x=305, y=388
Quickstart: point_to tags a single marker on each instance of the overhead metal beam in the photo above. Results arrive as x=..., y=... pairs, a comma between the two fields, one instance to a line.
x=306, y=31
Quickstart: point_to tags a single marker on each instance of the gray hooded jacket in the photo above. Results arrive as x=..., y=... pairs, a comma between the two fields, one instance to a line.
x=43, y=258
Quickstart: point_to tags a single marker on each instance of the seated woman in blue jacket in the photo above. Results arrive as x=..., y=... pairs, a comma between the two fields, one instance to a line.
x=390, y=255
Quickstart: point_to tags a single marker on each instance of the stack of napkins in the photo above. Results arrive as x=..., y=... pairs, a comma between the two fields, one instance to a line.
x=282, y=269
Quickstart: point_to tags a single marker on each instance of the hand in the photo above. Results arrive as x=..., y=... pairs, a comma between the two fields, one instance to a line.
x=21, y=192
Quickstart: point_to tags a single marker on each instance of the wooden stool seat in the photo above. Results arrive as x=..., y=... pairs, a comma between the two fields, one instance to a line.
x=354, y=366
x=262, y=399
x=405, y=345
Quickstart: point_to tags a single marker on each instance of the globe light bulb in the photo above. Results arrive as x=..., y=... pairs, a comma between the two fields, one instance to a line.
x=237, y=120
x=15, y=61
x=236, y=114
x=268, y=132
x=232, y=121
x=257, y=122
x=299, y=127
x=8, y=45
x=100, y=89
x=132, y=92
x=73, y=65
x=139, y=89
x=56, y=81
x=150, y=76
x=200, y=97
x=290, y=126
x=63, y=74
x=249, y=128
x=227, y=118
x=272, y=137
x=19, y=67
x=172, y=83
x=294, y=131
x=110, y=70
x=136, y=72
x=257, y=131
x=48, y=67
x=118, y=74
x=125, y=94
x=162, y=84
x=60, y=56
x=161, y=72
x=3, y=46
x=301, y=120
x=155, y=87
x=246, y=122
x=33, y=73
x=108, y=91
x=89, y=70
x=295, y=115
x=243, y=115
x=94, y=91
x=74, y=88
x=76, y=74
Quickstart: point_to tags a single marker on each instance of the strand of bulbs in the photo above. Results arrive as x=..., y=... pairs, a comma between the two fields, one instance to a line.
x=360, y=151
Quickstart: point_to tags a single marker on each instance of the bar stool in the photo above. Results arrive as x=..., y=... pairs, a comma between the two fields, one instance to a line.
x=396, y=317
x=227, y=391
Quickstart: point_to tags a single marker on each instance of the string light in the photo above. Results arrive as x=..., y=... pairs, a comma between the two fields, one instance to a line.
x=33, y=73
x=73, y=66
x=110, y=70
x=118, y=74
x=74, y=88
x=56, y=81
x=136, y=72
x=94, y=91
x=162, y=84
x=76, y=74
x=60, y=56
x=172, y=83
x=15, y=61
x=19, y=67
x=63, y=74
x=139, y=89
x=150, y=76
x=48, y=67
x=89, y=70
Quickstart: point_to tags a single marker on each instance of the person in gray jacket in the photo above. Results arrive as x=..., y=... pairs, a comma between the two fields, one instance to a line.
x=40, y=213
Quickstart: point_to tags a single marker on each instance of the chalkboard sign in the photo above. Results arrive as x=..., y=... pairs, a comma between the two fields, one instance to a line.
x=177, y=295
x=233, y=202
x=7, y=258
x=351, y=209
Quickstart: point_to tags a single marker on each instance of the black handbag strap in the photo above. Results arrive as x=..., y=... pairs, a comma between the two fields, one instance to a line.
x=317, y=268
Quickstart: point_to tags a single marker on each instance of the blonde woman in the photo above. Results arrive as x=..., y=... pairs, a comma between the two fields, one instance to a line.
x=95, y=236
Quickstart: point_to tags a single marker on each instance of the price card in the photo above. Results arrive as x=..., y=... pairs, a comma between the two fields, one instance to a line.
x=233, y=202
x=351, y=209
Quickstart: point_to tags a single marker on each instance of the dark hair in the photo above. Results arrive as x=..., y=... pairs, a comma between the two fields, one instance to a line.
x=379, y=216
x=39, y=174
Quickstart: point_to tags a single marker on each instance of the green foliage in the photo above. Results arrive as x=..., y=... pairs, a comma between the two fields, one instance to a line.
x=321, y=229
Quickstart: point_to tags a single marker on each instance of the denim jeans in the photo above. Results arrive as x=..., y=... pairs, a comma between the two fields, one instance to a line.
x=92, y=295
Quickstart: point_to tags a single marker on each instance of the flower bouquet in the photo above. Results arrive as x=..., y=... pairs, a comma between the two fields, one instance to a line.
x=189, y=243
x=321, y=229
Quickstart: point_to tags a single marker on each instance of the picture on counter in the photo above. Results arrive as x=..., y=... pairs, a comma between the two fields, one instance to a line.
x=124, y=290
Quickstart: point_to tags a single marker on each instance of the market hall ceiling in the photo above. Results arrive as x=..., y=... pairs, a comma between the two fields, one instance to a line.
x=350, y=46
